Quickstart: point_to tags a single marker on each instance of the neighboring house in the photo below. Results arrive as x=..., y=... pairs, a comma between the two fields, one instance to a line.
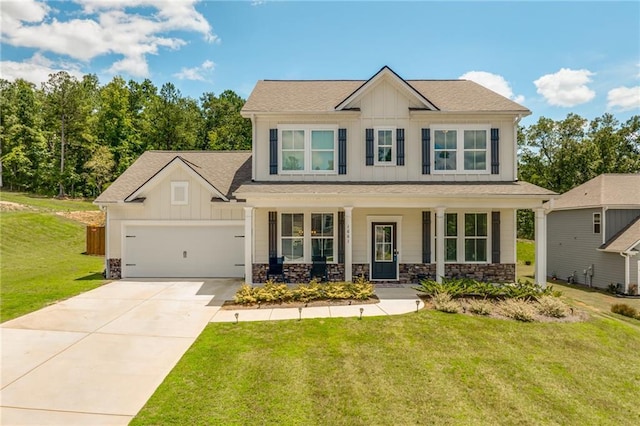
x=593, y=232
x=388, y=178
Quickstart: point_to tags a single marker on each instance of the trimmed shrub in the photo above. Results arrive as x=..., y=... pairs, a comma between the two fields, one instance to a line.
x=480, y=307
x=518, y=309
x=443, y=301
x=307, y=292
x=460, y=287
x=272, y=292
x=246, y=295
x=336, y=290
x=361, y=289
x=624, y=309
x=550, y=306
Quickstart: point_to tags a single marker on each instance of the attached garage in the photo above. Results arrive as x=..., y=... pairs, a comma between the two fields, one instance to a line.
x=181, y=249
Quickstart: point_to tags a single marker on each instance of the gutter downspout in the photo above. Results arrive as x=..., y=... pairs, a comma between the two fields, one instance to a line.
x=107, y=272
x=603, y=224
x=515, y=139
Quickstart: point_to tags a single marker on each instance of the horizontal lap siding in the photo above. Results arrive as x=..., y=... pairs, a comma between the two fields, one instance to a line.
x=572, y=246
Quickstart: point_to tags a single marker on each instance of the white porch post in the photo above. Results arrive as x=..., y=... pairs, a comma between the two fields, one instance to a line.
x=248, y=245
x=627, y=277
x=541, y=248
x=439, y=244
x=348, y=244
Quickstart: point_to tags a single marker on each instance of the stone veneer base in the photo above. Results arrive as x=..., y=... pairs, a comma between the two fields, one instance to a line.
x=115, y=269
x=408, y=272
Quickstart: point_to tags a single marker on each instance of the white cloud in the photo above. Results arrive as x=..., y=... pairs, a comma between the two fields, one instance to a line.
x=36, y=69
x=104, y=27
x=196, y=73
x=566, y=87
x=494, y=82
x=624, y=98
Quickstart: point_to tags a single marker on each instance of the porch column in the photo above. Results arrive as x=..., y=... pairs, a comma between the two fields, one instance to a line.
x=541, y=248
x=439, y=244
x=248, y=245
x=348, y=245
x=627, y=275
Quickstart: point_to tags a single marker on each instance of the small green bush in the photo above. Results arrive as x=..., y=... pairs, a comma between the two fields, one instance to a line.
x=336, y=290
x=624, y=309
x=246, y=295
x=361, y=289
x=307, y=292
x=518, y=309
x=480, y=307
x=460, y=287
x=550, y=306
x=443, y=301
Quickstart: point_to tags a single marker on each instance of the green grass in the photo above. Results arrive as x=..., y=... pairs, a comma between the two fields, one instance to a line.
x=420, y=368
x=42, y=260
x=42, y=203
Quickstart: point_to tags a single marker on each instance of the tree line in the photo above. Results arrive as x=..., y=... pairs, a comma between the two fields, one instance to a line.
x=562, y=154
x=73, y=136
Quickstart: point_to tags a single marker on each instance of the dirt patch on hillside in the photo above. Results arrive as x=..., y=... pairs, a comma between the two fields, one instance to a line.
x=92, y=218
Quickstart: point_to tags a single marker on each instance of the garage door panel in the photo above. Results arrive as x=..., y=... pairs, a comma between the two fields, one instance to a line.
x=184, y=251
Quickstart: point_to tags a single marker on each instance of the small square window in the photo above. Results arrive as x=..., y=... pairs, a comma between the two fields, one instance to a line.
x=179, y=193
x=597, y=221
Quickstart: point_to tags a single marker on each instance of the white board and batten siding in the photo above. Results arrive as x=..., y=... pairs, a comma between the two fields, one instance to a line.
x=157, y=239
x=385, y=105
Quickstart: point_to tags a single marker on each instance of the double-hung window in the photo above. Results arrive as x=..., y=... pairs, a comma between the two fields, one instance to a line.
x=384, y=146
x=597, y=222
x=307, y=149
x=322, y=235
x=460, y=149
x=292, y=236
x=475, y=237
x=451, y=237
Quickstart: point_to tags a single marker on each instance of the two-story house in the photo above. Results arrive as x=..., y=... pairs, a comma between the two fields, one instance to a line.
x=390, y=178
x=594, y=233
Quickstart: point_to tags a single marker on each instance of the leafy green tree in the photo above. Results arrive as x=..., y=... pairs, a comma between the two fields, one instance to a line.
x=224, y=127
x=100, y=167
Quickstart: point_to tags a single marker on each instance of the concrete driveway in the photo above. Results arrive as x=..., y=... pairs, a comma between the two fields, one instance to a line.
x=95, y=359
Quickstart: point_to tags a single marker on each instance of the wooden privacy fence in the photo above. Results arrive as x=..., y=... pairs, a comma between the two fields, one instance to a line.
x=95, y=240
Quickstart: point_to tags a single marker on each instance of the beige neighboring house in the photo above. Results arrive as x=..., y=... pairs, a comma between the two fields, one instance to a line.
x=593, y=233
x=388, y=178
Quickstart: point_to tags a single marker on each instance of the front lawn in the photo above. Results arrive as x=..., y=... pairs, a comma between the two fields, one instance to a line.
x=420, y=368
x=42, y=260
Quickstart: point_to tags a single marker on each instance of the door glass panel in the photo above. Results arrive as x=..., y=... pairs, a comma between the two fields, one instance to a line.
x=384, y=243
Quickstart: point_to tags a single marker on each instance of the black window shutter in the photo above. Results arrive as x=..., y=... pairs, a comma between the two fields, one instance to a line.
x=342, y=151
x=495, y=237
x=426, y=151
x=273, y=151
x=495, y=151
x=273, y=234
x=340, y=237
x=400, y=147
x=369, y=142
x=426, y=237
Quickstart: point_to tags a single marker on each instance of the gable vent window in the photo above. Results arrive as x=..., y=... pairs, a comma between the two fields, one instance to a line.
x=597, y=221
x=179, y=193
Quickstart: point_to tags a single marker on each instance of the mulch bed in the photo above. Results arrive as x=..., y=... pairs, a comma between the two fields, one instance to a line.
x=231, y=305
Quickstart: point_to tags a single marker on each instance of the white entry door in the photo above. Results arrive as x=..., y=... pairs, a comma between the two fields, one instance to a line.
x=183, y=251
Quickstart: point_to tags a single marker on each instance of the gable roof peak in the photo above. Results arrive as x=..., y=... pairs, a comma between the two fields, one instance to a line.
x=386, y=72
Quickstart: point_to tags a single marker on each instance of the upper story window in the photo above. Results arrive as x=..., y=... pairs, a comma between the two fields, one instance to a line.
x=384, y=143
x=597, y=221
x=306, y=149
x=460, y=149
x=179, y=193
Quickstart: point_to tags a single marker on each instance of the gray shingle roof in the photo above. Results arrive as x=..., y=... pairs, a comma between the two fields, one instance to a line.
x=624, y=240
x=325, y=95
x=605, y=190
x=384, y=189
x=225, y=171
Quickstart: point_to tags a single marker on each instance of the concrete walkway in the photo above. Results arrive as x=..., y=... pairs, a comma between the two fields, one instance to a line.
x=393, y=301
x=96, y=359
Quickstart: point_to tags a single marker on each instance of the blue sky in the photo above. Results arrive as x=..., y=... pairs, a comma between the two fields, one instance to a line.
x=553, y=57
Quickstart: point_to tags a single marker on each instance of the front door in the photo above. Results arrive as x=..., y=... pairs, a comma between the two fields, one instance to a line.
x=384, y=255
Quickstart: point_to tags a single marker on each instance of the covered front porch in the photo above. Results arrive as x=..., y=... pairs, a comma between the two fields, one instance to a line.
x=388, y=239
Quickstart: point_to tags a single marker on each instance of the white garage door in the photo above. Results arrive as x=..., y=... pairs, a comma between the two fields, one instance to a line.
x=183, y=251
